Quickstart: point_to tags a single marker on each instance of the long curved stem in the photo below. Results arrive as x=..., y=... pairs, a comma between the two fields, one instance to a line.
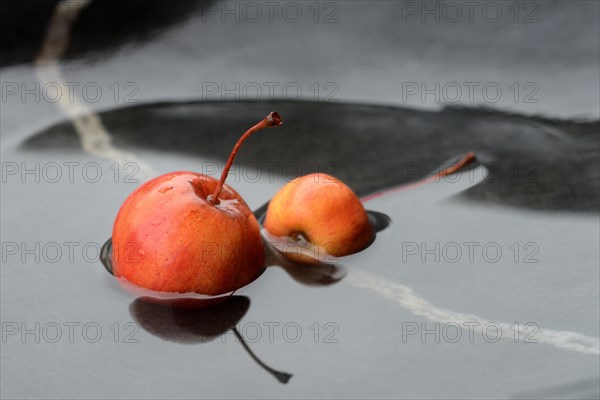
x=271, y=120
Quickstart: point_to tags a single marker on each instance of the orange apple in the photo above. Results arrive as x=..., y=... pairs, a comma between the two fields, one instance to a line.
x=187, y=232
x=323, y=211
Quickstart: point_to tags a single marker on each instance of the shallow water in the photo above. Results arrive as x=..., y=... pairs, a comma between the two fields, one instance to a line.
x=448, y=261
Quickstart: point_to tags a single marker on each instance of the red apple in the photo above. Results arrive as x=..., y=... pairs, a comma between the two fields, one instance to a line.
x=187, y=232
x=325, y=212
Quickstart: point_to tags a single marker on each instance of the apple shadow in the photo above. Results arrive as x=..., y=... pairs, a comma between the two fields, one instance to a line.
x=194, y=326
x=379, y=220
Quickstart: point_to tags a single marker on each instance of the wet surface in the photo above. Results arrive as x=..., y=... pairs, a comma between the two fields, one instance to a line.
x=483, y=284
x=364, y=307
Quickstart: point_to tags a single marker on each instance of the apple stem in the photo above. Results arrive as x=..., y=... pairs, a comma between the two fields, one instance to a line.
x=271, y=120
x=467, y=158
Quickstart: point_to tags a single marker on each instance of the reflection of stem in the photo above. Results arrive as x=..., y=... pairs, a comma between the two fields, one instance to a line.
x=282, y=377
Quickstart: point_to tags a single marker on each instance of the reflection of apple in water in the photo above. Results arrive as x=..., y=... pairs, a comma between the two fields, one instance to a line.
x=309, y=275
x=191, y=326
x=187, y=232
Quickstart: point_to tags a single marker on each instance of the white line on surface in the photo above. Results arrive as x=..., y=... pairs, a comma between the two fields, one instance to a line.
x=409, y=300
x=95, y=139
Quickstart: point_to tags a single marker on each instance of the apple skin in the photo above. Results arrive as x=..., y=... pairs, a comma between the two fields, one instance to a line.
x=323, y=210
x=168, y=238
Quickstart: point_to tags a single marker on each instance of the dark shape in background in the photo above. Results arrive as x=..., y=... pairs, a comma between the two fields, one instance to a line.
x=534, y=162
x=100, y=29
